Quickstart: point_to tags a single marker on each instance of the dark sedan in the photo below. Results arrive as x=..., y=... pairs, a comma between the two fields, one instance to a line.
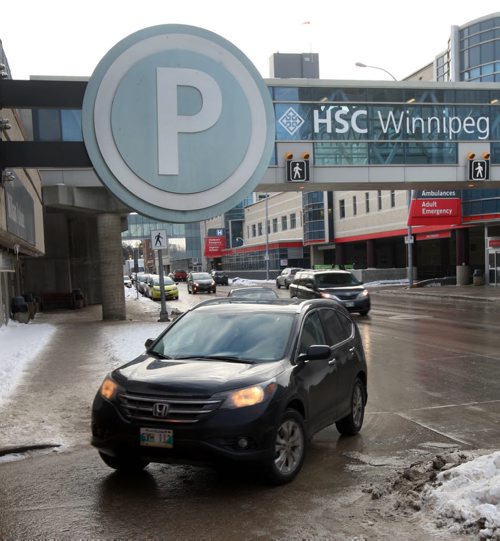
x=220, y=278
x=253, y=386
x=200, y=281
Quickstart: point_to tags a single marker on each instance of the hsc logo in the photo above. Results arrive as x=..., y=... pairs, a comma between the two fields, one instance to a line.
x=178, y=123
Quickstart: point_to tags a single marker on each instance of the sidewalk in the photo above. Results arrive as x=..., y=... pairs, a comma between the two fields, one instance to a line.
x=468, y=293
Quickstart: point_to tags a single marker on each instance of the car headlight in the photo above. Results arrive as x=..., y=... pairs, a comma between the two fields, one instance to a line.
x=363, y=294
x=248, y=396
x=329, y=296
x=108, y=388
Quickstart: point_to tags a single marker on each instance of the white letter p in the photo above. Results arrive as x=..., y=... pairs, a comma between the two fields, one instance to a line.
x=170, y=123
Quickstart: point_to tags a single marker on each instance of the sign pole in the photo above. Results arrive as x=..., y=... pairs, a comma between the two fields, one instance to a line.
x=409, y=247
x=163, y=310
x=158, y=242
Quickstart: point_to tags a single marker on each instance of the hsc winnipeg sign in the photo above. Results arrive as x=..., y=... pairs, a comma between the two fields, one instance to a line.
x=159, y=123
x=365, y=122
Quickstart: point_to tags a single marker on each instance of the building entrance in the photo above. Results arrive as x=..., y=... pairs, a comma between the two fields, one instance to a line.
x=494, y=267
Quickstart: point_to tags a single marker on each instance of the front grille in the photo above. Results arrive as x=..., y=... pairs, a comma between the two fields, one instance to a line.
x=137, y=407
x=347, y=295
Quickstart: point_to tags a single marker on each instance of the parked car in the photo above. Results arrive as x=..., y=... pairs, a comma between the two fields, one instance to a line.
x=252, y=386
x=339, y=285
x=140, y=283
x=285, y=278
x=154, y=289
x=178, y=275
x=253, y=293
x=220, y=277
x=200, y=281
x=127, y=281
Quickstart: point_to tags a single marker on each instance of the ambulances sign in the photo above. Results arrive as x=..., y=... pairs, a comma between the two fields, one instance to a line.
x=178, y=123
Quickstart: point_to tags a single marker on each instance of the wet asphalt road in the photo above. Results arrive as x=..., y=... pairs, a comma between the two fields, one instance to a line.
x=434, y=368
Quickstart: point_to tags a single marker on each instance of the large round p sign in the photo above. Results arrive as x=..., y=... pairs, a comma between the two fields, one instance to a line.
x=178, y=123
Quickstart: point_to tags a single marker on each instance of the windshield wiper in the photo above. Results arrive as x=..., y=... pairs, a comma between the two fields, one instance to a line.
x=218, y=358
x=160, y=355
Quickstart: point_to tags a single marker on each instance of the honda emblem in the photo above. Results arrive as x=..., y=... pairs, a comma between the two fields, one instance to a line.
x=160, y=409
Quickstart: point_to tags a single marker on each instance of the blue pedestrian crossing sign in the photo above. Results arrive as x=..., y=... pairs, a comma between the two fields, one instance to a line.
x=297, y=170
x=479, y=170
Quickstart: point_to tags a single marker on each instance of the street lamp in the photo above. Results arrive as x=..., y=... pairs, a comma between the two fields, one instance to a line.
x=267, y=237
x=361, y=65
x=409, y=239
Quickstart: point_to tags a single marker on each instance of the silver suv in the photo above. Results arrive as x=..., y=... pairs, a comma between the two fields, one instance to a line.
x=286, y=277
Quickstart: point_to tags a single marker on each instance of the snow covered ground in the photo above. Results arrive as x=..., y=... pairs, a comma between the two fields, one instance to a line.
x=464, y=497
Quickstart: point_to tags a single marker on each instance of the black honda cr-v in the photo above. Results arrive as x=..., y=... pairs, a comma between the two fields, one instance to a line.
x=252, y=386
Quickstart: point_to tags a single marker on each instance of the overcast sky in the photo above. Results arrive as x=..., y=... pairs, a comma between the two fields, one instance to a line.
x=69, y=38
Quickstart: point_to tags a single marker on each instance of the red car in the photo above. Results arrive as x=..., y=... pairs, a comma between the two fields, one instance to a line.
x=179, y=275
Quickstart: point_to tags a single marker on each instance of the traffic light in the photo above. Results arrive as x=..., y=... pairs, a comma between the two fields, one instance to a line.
x=479, y=169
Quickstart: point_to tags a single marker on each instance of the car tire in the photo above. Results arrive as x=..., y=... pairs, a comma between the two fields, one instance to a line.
x=363, y=312
x=128, y=464
x=278, y=285
x=352, y=423
x=289, y=447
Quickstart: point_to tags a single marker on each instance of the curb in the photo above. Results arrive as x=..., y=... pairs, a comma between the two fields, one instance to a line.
x=15, y=450
x=437, y=295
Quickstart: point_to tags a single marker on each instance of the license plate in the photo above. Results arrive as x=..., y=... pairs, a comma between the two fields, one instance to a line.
x=155, y=437
x=349, y=304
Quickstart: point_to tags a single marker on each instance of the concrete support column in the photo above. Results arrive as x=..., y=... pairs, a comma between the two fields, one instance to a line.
x=339, y=254
x=370, y=254
x=462, y=261
x=461, y=243
x=111, y=267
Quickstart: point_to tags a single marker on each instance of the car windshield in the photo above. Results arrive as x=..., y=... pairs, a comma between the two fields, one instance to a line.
x=201, y=276
x=334, y=279
x=251, y=336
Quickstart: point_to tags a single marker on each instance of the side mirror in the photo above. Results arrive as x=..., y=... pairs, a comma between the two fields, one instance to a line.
x=148, y=343
x=315, y=353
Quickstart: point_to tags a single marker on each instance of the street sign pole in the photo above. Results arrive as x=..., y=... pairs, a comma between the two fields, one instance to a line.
x=163, y=310
x=158, y=242
x=409, y=247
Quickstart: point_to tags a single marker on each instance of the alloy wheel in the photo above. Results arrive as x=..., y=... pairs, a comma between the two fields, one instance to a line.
x=289, y=447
